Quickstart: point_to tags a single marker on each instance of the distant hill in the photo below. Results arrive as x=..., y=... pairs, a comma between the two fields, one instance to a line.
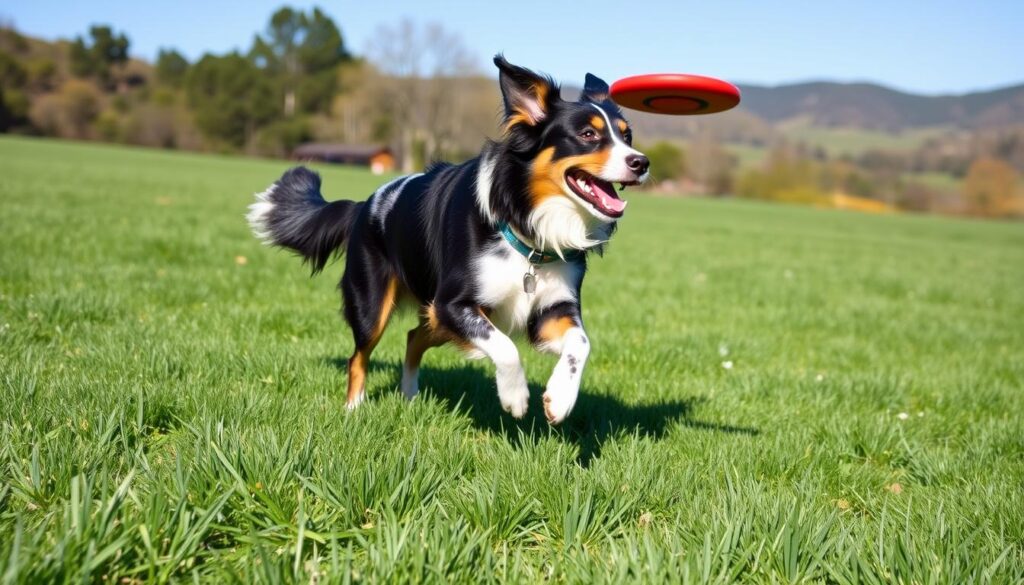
x=765, y=112
x=875, y=107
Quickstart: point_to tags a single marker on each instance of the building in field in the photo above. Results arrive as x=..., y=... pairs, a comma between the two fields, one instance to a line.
x=378, y=158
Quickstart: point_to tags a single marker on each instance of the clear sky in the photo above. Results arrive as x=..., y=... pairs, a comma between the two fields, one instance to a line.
x=937, y=46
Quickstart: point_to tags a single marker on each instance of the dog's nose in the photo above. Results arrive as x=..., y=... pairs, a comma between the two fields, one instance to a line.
x=638, y=163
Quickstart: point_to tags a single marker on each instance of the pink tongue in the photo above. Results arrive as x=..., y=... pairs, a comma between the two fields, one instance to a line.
x=607, y=201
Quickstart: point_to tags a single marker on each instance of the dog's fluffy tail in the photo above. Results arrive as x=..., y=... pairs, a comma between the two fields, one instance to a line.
x=293, y=214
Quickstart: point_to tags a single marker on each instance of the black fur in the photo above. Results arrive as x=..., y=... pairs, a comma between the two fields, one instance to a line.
x=303, y=221
x=595, y=89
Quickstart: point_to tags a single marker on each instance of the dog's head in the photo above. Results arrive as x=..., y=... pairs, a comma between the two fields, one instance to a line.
x=577, y=150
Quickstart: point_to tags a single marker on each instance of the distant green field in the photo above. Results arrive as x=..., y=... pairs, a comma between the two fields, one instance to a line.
x=856, y=141
x=776, y=394
x=941, y=181
x=747, y=157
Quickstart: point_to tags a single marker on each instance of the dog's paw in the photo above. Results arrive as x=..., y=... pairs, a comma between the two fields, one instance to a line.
x=557, y=405
x=354, y=404
x=514, y=398
x=410, y=385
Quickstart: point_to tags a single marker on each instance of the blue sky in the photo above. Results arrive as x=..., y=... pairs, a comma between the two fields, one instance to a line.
x=932, y=47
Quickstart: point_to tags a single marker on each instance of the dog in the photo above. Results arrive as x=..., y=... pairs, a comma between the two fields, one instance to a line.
x=496, y=245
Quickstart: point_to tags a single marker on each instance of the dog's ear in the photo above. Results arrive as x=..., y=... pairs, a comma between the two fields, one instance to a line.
x=594, y=89
x=528, y=96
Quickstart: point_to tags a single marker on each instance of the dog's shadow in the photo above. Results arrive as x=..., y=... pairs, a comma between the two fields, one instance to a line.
x=470, y=389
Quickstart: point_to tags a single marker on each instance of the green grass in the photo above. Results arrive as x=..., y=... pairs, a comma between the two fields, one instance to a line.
x=936, y=180
x=172, y=413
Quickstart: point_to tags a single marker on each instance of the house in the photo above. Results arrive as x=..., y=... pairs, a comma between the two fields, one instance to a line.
x=378, y=158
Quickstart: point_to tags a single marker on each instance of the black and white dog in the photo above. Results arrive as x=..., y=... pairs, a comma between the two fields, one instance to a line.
x=485, y=248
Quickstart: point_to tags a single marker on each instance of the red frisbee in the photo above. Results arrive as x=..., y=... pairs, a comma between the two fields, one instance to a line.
x=675, y=93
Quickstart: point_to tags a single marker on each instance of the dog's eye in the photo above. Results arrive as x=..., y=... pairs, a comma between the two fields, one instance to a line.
x=589, y=135
x=628, y=136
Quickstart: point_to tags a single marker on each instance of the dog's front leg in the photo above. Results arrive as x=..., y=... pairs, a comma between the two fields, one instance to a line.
x=468, y=324
x=559, y=329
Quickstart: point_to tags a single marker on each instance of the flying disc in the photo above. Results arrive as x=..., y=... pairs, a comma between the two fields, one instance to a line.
x=676, y=94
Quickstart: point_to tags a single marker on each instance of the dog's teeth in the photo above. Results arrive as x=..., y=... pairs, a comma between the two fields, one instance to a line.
x=581, y=183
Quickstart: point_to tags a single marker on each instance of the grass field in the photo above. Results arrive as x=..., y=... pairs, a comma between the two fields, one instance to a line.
x=776, y=394
x=857, y=141
x=935, y=180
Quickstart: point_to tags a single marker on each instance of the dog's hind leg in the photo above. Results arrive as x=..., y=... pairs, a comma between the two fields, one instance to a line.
x=418, y=341
x=559, y=329
x=369, y=298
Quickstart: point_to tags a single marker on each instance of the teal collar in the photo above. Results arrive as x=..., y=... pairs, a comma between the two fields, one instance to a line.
x=535, y=256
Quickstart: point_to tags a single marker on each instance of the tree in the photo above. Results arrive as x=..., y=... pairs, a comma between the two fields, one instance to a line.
x=424, y=88
x=98, y=58
x=12, y=73
x=14, y=104
x=302, y=52
x=990, y=188
x=11, y=40
x=171, y=67
x=42, y=75
x=230, y=96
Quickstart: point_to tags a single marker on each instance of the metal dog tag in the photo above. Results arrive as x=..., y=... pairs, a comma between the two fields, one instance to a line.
x=529, y=282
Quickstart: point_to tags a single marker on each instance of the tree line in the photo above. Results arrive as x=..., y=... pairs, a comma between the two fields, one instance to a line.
x=418, y=89
x=983, y=185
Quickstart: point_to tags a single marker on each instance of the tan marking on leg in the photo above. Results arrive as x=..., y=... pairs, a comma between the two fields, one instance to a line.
x=441, y=334
x=418, y=341
x=431, y=315
x=387, y=307
x=554, y=329
x=359, y=363
x=357, y=366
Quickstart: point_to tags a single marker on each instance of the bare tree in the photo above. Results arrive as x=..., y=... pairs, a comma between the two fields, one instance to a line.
x=423, y=87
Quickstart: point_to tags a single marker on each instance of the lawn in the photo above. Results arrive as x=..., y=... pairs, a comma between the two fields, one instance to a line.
x=776, y=394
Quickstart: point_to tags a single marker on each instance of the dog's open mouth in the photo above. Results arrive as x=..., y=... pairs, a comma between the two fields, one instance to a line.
x=599, y=194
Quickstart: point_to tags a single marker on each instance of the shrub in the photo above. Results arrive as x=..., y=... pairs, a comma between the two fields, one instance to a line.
x=280, y=138
x=14, y=108
x=153, y=125
x=990, y=188
x=70, y=112
x=108, y=126
x=784, y=178
x=668, y=161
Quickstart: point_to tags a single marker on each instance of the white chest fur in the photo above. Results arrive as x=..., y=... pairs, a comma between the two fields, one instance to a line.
x=499, y=279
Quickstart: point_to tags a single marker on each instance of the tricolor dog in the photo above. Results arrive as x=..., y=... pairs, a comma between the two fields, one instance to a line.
x=484, y=249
